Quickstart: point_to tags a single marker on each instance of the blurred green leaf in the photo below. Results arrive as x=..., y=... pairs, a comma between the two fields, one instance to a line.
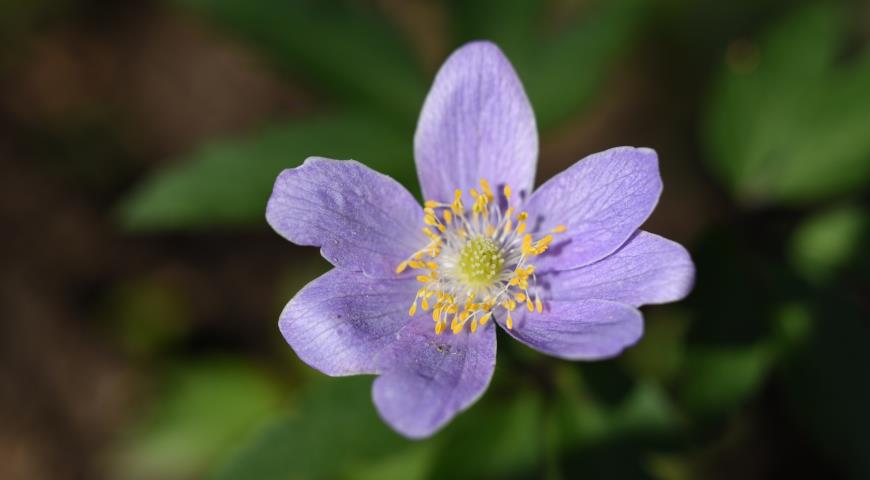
x=497, y=439
x=659, y=356
x=718, y=379
x=202, y=411
x=604, y=441
x=147, y=315
x=827, y=384
x=827, y=241
x=229, y=182
x=584, y=420
x=334, y=431
x=343, y=47
x=786, y=122
x=561, y=68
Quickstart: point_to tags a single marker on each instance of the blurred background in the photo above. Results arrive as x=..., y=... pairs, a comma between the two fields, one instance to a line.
x=141, y=286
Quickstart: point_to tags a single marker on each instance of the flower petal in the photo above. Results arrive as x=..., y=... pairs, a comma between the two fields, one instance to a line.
x=647, y=269
x=339, y=322
x=361, y=220
x=430, y=378
x=582, y=330
x=602, y=200
x=476, y=123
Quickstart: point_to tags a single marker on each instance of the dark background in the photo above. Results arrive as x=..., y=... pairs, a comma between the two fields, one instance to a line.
x=141, y=287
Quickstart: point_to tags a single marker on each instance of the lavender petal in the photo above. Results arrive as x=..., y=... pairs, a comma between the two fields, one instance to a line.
x=361, y=220
x=602, y=200
x=581, y=330
x=341, y=321
x=431, y=378
x=647, y=269
x=476, y=123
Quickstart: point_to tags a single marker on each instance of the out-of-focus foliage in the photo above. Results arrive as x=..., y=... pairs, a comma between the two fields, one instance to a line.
x=766, y=165
x=789, y=115
x=341, y=47
x=335, y=433
x=824, y=243
x=202, y=412
x=561, y=69
x=228, y=183
x=350, y=55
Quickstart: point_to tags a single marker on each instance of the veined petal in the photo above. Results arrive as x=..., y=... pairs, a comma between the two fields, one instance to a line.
x=647, y=269
x=361, y=220
x=476, y=123
x=581, y=330
x=602, y=200
x=428, y=379
x=341, y=321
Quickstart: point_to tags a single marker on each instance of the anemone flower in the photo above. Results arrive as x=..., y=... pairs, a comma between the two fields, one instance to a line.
x=416, y=290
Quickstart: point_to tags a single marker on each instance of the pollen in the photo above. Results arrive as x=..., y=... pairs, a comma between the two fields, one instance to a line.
x=477, y=264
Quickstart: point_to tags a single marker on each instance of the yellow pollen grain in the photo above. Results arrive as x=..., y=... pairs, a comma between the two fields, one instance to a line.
x=560, y=229
x=539, y=306
x=402, y=266
x=507, y=193
x=431, y=204
x=413, y=309
x=423, y=279
x=509, y=321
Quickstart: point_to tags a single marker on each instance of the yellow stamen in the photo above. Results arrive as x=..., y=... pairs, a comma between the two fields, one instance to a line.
x=476, y=261
x=484, y=185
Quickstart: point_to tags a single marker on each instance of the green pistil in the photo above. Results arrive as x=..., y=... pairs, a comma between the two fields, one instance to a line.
x=480, y=262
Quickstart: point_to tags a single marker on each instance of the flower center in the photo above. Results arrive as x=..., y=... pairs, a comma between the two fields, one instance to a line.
x=476, y=261
x=480, y=262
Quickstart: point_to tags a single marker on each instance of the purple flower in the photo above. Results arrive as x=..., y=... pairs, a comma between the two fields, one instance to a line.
x=416, y=292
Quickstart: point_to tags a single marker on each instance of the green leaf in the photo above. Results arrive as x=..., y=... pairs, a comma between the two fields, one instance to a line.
x=334, y=431
x=494, y=440
x=569, y=68
x=825, y=242
x=717, y=379
x=229, y=182
x=791, y=126
x=561, y=68
x=827, y=386
x=343, y=47
x=203, y=409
